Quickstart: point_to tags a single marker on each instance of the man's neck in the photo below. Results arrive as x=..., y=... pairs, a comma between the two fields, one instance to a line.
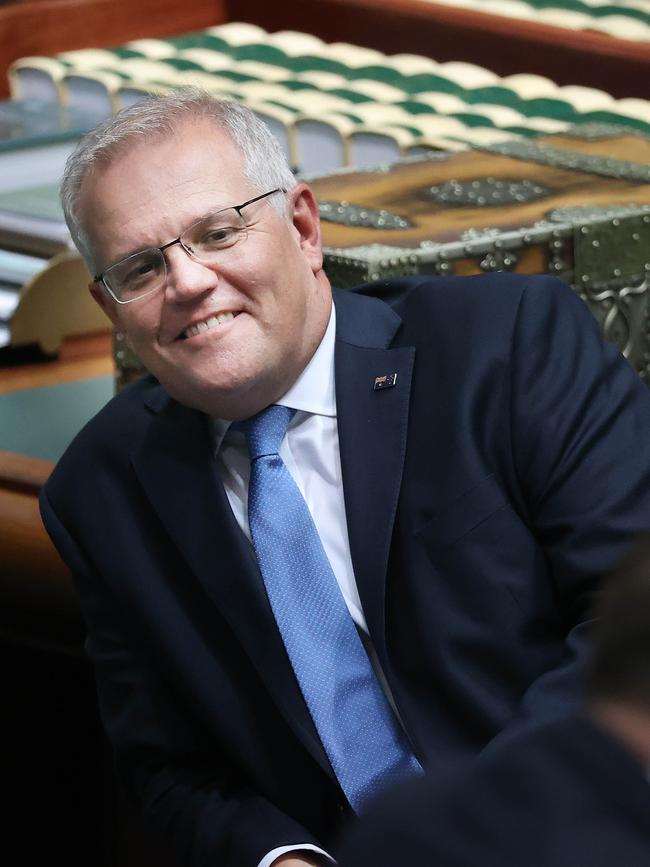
x=628, y=723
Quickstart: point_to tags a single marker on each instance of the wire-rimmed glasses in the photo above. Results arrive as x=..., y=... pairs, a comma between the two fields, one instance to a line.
x=143, y=273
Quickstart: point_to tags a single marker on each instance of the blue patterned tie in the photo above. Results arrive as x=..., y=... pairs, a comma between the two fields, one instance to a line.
x=366, y=746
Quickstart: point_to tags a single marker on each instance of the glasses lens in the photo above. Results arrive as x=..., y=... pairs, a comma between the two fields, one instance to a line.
x=214, y=233
x=138, y=275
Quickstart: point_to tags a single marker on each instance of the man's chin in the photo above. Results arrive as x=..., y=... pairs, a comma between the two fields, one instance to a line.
x=228, y=400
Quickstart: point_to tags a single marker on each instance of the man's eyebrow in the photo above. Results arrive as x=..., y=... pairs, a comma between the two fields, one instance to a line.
x=134, y=252
x=147, y=247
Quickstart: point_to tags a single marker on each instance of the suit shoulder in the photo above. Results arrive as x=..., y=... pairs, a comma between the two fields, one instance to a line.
x=458, y=313
x=112, y=430
x=129, y=405
x=477, y=295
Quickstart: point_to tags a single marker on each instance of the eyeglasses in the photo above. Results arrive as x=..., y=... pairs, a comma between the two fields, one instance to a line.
x=143, y=273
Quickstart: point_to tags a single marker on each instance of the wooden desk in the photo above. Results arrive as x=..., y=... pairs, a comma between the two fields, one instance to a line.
x=37, y=603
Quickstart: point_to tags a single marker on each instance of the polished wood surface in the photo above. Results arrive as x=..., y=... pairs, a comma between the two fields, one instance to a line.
x=26, y=549
x=24, y=474
x=404, y=191
x=49, y=26
x=504, y=45
x=37, y=601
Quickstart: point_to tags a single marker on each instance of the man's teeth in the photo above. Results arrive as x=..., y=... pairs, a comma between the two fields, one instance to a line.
x=212, y=322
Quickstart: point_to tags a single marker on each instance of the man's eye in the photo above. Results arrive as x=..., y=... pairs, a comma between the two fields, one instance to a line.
x=217, y=236
x=140, y=272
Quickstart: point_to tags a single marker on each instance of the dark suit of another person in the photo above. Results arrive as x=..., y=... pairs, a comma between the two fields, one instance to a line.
x=485, y=493
x=565, y=795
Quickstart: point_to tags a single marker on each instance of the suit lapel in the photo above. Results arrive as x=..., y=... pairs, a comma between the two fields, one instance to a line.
x=177, y=470
x=372, y=427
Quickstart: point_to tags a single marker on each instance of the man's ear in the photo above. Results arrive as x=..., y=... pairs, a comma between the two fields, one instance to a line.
x=106, y=303
x=306, y=221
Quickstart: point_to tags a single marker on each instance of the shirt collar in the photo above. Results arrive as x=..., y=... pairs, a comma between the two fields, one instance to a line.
x=312, y=392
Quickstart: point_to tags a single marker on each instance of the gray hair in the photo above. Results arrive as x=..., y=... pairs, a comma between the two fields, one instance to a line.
x=265, y=164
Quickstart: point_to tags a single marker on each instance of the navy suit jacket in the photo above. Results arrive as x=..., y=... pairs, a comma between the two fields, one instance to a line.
x=564, y=795
x=485, y=493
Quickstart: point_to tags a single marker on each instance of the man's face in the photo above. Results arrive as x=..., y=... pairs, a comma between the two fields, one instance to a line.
x=272, y=281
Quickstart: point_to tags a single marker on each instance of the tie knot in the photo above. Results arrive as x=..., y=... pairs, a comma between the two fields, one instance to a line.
x=265, y=431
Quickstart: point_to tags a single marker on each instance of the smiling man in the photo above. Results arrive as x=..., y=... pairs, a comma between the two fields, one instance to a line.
x=325, y=542
x=218, y=343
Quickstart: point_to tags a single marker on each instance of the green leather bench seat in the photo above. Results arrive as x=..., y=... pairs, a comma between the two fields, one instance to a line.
x=331, y=104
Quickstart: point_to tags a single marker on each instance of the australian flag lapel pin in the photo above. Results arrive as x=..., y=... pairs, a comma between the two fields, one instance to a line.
x=388, y=380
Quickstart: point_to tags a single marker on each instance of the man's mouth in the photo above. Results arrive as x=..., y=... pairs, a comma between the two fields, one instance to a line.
x=207, y=324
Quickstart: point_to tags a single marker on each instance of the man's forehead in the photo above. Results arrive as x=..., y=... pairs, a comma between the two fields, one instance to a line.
x=146, y=194
x=171, y=153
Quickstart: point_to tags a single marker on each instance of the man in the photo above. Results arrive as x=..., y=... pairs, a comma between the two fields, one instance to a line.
x=457, y=473
x=576, y=791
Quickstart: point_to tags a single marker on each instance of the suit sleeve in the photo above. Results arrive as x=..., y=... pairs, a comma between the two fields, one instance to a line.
x=188, y=791
x=580, y=418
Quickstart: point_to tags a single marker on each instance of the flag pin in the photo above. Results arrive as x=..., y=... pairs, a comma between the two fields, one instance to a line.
x=388, y=380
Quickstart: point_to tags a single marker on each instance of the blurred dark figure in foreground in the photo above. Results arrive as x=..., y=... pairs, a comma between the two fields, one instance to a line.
x=572, y=794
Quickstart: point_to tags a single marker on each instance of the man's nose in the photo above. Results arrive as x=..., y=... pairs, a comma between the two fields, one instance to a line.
x=186, y=277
